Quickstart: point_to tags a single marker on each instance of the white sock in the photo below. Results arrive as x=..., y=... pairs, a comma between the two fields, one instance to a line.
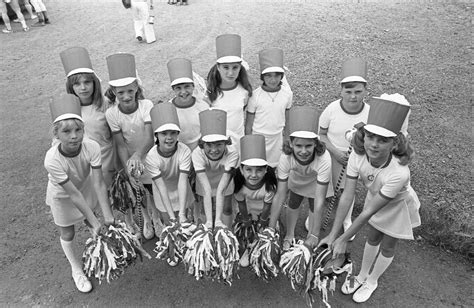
x=68, y=248
x=381, y=264
x=370, y=253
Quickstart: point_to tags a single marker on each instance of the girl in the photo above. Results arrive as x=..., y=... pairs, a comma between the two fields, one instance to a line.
x=84, y=83
x=267, y=112
x=214, y=162
x=255, y=185
x=141, y=18
x=228, y=86
x=75, y=181
x=40, y=9
x=380, y=158
x=16, y=8
x=304, y=169
x=130, y=123
x=187, y=105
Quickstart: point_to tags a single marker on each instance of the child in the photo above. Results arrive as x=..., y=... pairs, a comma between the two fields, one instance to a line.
x=187, y=106
x=84, y=83
x=75, y=181
x=141, y=17
x=267, y=112
x=304, y=169
x=255, y=185
x=214, y=162
x=228, y=86
x=380, y=158
x=130, y=123
x=40, y=9
x=16, y=8
x=341, y=115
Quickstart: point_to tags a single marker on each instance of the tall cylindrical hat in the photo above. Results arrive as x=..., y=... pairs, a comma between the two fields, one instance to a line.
x=122, y=70
x=66, y=106
x=303, y=122
x=180, y=71
x=228, y=48
x=76, y=60
x=386, y=117
x=164, y=117
x=213, y=125
x=271, y=60
x=354, y=70
x=252, y=150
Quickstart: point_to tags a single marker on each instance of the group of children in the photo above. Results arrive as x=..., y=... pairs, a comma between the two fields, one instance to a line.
x=235, y=150
x=40, y=9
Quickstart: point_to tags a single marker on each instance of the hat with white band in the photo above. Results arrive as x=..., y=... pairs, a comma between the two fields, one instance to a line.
x=213, y=124
x=66, y=106
x=122, y=69
x=354, y=70
x=303, y=122
x=164, y=117
x=76, y=60
x=180, y=71
x=228, y=48
x=252, y=150
x=386, y=117
x=271, y=60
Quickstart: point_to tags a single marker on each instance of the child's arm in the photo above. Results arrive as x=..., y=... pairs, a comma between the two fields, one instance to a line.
x=249, y=123
x=280, y=197
x=101, y=191
x=78, y=200
x=340, y=156
x=316, y=216
x=121, y=148
x=140, y=153
x=223, y=183
x=182, y=193
x=207, y=197
x=163, y=191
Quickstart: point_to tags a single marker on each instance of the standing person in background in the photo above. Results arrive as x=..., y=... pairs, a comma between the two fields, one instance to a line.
x=83, y=82
x=40, y=9
x=141, y=19
x=267, y=112
x=341, y=115
x=28, y=7
x=228, y=86
x=16, y=8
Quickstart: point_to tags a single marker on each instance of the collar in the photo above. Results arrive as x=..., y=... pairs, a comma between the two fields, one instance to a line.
x=70, y=155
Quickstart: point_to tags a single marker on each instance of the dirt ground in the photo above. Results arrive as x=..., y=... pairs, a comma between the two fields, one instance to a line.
x=420, y=49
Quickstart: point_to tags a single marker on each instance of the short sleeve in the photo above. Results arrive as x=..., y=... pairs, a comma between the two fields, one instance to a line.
x=95, y=154
x=55, y=169
x=198, y=160
x=394, y=184
x=147, y=105
x=112, y=119
x=252, y=105
x=284, y=167
x=324, y=168
x=184, y=159
x=290, y=100
x=324, y=119
x=353, y=166
x=152, y=164
x=231, y=160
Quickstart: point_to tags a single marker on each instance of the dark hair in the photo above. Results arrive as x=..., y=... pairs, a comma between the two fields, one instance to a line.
x=352, y=84
x=281, y=75
x=269, y=179
x=214, y=81
x=127, y=4
x=319, y=147
x=201, y=143
x=403, y=149
x=97, y=98
x=110, y=94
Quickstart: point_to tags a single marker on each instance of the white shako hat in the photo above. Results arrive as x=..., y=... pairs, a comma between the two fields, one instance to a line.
x=164, y=117
x=213, y=124
x=180, y=71
x=354, y=69
x=66, y=106
x=303, y=122
x=228, y=48
x=386, y=117
x=122, y=69
x=252, y=150
x=271, y=60
x=76, y=60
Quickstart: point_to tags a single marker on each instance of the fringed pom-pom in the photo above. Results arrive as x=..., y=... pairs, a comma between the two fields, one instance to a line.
x=125, y=194
x=107, y=256
x=245, y=230
x=169, y=246
x=227, y=254
x=294, y=264
x=200, y=256
x=265, y=254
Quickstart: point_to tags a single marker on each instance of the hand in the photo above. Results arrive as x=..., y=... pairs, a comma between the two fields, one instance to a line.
x=208, y=224
x=109, y=220
x=247, y=222
x=338, y=248
x=182, y=218
x=95, y=228
x=341, y=157
x=220, y=224
x=135, y=167
x=262, y=223
x=328, y=240
x=311, y=241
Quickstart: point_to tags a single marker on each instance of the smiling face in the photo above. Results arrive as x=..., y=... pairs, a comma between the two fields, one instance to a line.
x=378, y=148
x=70, y=133
x=167, y=140
x=184, y=93
x=83, y=87
x=126, y=96
x=303, y=148
x=253, y=175
x=229, y=73
x=353, y=97
x=214, y=150
x=272, y=80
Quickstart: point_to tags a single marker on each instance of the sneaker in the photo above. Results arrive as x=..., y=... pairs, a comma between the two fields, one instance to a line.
x=7, y=31
x=364, y=292
x=172, y=262
x=82, y=283
x=306, y=224
x=148, y=232
x=244, y=260
x=26, y=29
x=38, y=24
x=34, y=17
x=346, y=287
x=287, y=243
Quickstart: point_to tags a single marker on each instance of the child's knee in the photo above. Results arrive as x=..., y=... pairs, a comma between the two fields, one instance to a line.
x=67, y=233
x=294, y=201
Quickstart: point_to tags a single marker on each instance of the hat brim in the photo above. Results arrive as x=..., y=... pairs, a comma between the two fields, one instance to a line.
x=214, y=138
x=181, y=80
x=254, y=162
x=229, y=59
x=304, y=134
x=122, y=81
x=353, y=79
x=273, y=69
x=66, y=116
x=378, y=130
x=80, y=70
x=168, y=126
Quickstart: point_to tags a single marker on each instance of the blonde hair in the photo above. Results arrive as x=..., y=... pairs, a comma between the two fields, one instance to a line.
x=66, y=123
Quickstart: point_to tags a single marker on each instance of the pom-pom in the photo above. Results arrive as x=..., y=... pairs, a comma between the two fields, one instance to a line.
x=199, y=257
x=265, y=254
x=126, y=194
x=245, y=230
x=169, y=246
x=227, y=254
x=294, y=263
x=107, y=256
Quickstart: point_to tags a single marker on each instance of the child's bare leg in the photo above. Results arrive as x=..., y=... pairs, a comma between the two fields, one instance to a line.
x=292, y=213
x=16, y=8
x=6, y=19
x=227, y=211
x=29, y=8
x=148, y=231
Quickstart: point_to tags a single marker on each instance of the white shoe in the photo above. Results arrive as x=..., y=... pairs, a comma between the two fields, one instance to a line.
x=34, y=17
x=172, y=262
x=306, y=224
x=82, y=283
x=148, y=232
x=364, y=292
x=244, y=260
x=346, y=287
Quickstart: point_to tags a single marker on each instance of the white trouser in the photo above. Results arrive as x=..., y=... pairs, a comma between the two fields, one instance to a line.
x=38, y=5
